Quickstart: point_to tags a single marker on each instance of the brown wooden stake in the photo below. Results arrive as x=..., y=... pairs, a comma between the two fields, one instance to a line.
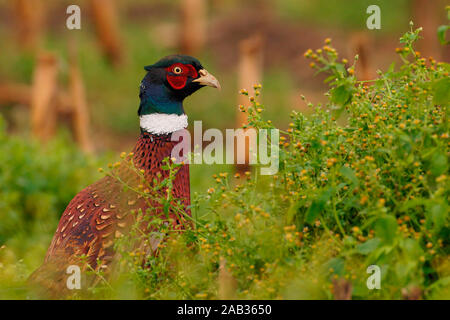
x=105, y=18
x=227, y=283
x=193, y=26
x=425, y=14
x=342, y=289
x=412, y=293
x=17, y=93
x=80, y=112
x=29, y=22
x=250, y=73
x=43, y=111
x=360, y=44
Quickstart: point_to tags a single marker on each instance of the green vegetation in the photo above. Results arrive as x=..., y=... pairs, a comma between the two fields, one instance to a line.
x=345, y=14
x=371, y=191
x=113, y=95
x=36, y=184
x=374, y=191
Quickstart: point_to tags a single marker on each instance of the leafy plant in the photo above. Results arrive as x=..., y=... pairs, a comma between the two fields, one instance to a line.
x=442, y=30
x=36, y=183
x=372, y=191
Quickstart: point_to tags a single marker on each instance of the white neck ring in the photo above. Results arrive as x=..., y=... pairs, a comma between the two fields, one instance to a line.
x=161, y=123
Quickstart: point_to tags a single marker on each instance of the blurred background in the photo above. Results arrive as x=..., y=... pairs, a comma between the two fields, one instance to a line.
x=94, y=73
x=69, y=98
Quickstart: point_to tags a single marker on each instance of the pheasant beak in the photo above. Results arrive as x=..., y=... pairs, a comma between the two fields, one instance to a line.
x=207, y=79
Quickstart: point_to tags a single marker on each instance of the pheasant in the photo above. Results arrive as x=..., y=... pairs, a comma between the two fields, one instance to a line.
x=103, y=211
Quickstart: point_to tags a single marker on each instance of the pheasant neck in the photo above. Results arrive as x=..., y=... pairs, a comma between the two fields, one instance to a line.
x=151, y=150
x=149, y=154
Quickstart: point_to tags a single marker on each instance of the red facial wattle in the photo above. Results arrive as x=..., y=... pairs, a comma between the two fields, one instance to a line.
x=177, y=82
x=178, y=74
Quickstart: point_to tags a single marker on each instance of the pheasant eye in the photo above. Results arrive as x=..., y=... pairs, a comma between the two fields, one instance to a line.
x=177, y=70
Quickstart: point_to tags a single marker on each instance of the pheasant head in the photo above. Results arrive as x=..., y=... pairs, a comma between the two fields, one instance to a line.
x=165, y=86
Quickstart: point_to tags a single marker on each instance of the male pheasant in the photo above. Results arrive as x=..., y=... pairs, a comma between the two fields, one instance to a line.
x=102, y=211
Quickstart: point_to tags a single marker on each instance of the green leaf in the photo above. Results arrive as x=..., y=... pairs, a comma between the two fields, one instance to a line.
x=441, y=31
x=438, y=163
x=391, y=68
x=349, y=241
x=314, y=210
x=341, y=95
x=438, y=213
x=368, y=246
x=386, y=228
x=337, y=264
x=349, y=174
x=340, y=67
x=441, y=90
x=330, y=78
x=412, y=203
x=293, y=209
x=442, y=282
x=318, y=205
x=411, y=248
x=166, y=207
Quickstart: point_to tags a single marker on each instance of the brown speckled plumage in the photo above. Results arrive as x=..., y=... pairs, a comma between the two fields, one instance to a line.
x=102, y=212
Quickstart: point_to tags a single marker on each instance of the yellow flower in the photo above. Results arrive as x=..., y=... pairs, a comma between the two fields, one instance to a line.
x=363, y=200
